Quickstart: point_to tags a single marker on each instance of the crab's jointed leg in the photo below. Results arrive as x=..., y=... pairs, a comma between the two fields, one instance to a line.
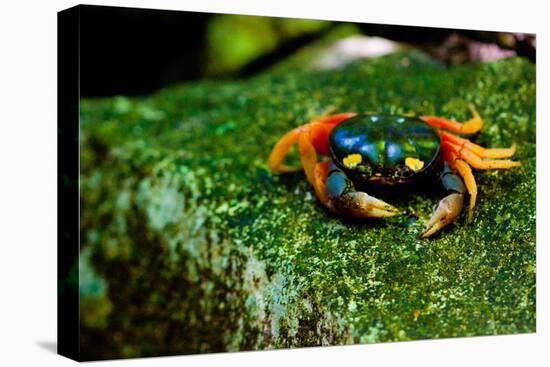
x=460, y=154
x=451, y=157
x=471, y=126
x=336, y=191
x=320, y=176
x=280, y=150
x=476, y=161
x=450, y=206
x=477, y=149
x=318, y=131
x=466, y=173
x=331, y=185
x=343, y=198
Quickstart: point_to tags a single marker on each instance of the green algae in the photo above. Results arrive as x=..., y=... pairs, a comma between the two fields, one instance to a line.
x=202, y=249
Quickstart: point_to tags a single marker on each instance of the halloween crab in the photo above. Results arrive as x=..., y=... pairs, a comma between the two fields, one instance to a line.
x=366, y=149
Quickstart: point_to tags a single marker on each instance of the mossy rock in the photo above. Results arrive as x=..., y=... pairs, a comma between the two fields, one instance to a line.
x=195, y=246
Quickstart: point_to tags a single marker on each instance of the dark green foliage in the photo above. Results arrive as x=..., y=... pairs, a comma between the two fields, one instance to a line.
x=196, y=247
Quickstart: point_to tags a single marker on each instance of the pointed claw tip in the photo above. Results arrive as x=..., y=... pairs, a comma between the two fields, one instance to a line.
x=392, y=209
x=431, y=228
x=395, y=211
x=385, y=212
x=426, y=233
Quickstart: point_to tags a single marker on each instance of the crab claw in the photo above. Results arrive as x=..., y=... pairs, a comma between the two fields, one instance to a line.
x=360, y=204
x=447, y=210
x=344, y=199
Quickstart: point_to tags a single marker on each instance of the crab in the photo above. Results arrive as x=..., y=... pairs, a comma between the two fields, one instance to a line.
x=365, y=150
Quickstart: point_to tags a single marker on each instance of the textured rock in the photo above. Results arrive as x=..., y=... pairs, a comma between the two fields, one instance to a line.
x=191, y=245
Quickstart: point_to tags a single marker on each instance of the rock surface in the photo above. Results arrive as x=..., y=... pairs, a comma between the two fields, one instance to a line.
x=190, y=244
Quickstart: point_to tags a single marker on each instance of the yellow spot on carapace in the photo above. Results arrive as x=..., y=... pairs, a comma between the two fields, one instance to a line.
x=352, y=160
x=414, y=163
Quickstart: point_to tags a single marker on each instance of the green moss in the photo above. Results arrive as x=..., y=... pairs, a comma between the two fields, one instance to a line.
x=204, y=250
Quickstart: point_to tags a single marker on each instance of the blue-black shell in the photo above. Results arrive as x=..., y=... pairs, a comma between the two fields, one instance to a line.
x=384, y=143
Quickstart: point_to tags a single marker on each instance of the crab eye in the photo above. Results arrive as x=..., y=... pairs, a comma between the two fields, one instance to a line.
x=364, y=171
x=404, y=171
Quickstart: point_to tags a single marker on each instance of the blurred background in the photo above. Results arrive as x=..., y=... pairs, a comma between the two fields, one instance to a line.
x=127, y=51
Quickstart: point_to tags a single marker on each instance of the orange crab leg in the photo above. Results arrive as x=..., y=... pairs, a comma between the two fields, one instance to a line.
x=476, y=162
x=318, y=131
x=320, y=174
x=312, y=138
x=451, y=156
x=308, y=155
x=471, y=126
x=477, y=149
x=280, y=150
x=336, y=118
x=466, y=172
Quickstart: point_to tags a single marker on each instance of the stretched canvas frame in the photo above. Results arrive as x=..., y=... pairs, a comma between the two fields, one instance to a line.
x=165, y=249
